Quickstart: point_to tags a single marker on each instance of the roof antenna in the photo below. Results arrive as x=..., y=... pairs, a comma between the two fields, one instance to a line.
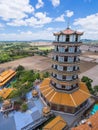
x=68, y=22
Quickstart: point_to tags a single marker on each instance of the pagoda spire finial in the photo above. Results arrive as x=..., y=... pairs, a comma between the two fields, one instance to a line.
x=68, y=22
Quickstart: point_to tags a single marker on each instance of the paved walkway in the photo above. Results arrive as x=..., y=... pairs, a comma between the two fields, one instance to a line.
x=91, y=73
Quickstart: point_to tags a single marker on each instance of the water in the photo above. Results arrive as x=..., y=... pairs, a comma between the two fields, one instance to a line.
x=9, y=85
x=95, y=108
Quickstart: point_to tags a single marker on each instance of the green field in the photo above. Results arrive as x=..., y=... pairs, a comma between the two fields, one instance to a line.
x=43, y=48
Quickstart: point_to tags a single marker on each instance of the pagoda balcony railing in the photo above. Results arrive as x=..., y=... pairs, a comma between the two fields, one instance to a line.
x=64, y=82
x=66, y=53
x=72, y=89
x=65, y=72
x=65, y=63
x=67, y=43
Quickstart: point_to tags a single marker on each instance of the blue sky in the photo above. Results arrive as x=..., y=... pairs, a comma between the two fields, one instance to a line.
x=38, y=19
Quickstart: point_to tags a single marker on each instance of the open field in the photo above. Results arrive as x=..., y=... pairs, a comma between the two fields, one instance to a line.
x=45, y=48
x=35, y=62
x=88, y=66
x=41, y=63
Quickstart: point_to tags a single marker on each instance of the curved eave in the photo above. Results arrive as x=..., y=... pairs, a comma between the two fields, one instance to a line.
x=68, y=33
x=66, y=72
x=64, y=82
x=66, y=53
x=67, y=44
x=59, y=98
x=65, y=63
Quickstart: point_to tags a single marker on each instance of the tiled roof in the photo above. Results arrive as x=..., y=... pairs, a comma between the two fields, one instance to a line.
x=56, y=124
x=5, y=92
x=74, y=99
x=90, y=124
x=6, y=76
x=68, y=31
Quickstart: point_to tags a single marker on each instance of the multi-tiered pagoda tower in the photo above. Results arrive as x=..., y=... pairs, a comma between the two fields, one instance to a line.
x=63, y=91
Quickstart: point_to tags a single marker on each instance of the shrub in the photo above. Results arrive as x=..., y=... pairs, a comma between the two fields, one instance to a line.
x=24, y=107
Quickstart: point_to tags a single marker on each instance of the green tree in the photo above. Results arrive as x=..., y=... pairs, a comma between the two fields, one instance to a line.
x=24, y=107
x=20, y=68
x=88, y=83
x=46, y=75
x=96, y=89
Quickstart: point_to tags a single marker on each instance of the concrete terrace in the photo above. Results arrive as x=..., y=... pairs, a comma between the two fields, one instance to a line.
x=92, y=73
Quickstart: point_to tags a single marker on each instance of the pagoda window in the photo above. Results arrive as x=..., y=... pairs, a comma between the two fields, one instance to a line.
x=65, y=58
x=74, y=85
x=68, y=87
x=61, y=49
x=59, y=76
x=76, y=67
x=76, y=38
x=68, y=78
x=70, y=59
x=69, y=68
x=58, y=85
x=63, y=86
x=56, y=38
x=71, y=38
x=78, y=49
x=75, y=76
x=61, y=59
x=65, y=68
x=67, y=38
x=56, y=58
x=60, y=68
x=61, y=38
x=71, y=49
x=64, y=77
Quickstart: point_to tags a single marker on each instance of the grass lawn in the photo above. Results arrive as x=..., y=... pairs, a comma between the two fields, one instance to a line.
x=45, y=48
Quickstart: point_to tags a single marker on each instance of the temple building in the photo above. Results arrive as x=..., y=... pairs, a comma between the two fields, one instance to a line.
x=6, y=77
x=63, y=91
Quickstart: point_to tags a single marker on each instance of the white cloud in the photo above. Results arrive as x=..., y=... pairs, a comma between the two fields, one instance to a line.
x=55, y=3
x=60, y=18
x=69, y=13
x=39, y=4
x=1, y=25
x=89, y=25
x=38, y=20
x=15, y=9
x=44, y=34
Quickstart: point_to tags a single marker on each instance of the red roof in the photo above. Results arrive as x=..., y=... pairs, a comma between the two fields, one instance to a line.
x=68, y=31
x=90, y=124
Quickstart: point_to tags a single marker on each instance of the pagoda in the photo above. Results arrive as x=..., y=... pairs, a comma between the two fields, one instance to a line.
x=63, y=91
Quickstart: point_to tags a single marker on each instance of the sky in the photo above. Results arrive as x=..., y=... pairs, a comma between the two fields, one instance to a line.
x=39, y=19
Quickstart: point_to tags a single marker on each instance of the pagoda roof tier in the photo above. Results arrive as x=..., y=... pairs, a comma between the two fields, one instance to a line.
x=68, y=31
x=67, y=43
x=66, y=53
x=65, y=63
x=65, y=73
x=65, y=82
x=60, y=98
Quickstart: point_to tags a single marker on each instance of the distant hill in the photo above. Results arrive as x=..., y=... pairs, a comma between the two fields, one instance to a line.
x=41, y=40
x=89, y=41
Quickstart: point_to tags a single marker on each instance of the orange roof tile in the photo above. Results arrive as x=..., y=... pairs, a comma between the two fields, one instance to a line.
x=5, y=92
x=6, y=76
x=93, y=120
x=74, y=99
x=56, y=124
x=68, y=31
